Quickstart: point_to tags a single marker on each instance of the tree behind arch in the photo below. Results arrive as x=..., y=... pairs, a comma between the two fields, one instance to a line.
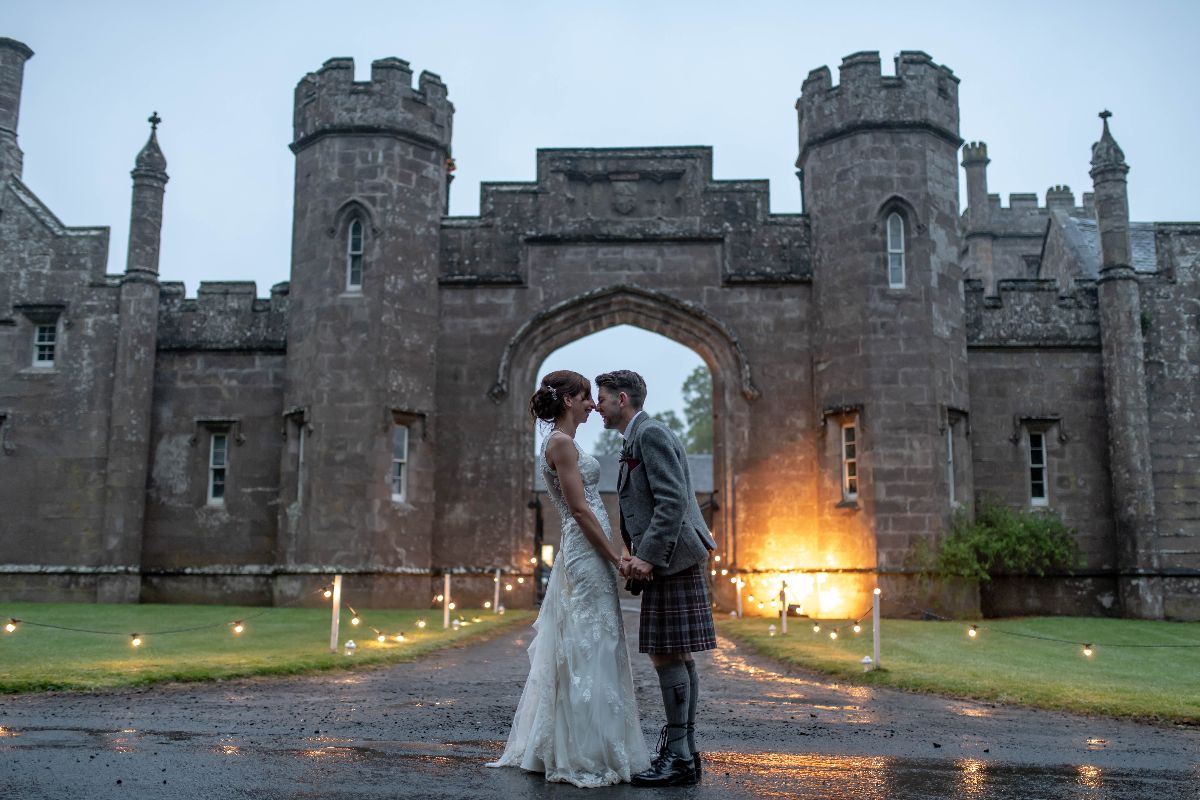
x=698, y=409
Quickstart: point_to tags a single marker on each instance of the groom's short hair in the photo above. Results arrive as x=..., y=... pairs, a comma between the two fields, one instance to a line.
x=627, y=381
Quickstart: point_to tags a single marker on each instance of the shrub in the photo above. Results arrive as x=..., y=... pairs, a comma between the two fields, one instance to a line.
x=1001, y=541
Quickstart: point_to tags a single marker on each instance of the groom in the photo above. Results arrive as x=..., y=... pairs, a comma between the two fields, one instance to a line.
x=669, y=545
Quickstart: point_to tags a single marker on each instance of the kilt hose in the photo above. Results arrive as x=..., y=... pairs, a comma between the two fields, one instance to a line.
x=676, y=614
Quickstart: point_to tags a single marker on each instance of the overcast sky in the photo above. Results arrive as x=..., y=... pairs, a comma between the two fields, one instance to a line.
x=572, y=74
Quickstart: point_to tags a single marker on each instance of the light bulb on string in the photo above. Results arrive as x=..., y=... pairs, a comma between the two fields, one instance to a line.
x=833, y=634
x=750, y=598
x=714, y=572
x=327, y=592
x=11, y=625
x=420, y=623
x=508, y=587
x=399, y=637
x=520, y=580
x=973, y=631
x=1087, y=650
x=857, y=628
x=381, y=638
x=717, y=559
x=452, y=606
x=724, y=572
x=354, y=618
x=441, y=597
x=238, y=627
x=816, y=627
x=733, y=580
x=487, y=604
x=135, y=640
x=533, y=560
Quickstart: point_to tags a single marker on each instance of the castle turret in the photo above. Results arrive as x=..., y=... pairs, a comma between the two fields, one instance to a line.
x=1122, y=352
x=133, y=375
x=371, y=181
x=979, y=235
x=879, y=155
x=13, y=55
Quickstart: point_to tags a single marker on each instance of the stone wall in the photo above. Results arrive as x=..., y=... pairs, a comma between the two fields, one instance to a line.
x=55, y=420
x=1171, y=322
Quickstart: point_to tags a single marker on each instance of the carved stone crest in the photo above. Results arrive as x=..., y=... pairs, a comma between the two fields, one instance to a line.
x=624, y=196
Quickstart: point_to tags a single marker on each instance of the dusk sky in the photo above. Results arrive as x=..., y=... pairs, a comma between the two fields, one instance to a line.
x=522, y=76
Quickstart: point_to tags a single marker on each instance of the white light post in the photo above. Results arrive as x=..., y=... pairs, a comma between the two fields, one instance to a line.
x=783, y=605
x=337, y=613
x=875, y=625
x=496, y=594
x=446, y=600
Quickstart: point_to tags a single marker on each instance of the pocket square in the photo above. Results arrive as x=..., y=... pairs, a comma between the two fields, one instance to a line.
x=631, y=462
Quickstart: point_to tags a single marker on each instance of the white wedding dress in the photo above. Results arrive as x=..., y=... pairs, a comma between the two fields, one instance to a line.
x=577, y=719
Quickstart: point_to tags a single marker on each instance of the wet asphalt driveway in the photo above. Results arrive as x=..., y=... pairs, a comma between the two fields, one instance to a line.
x=424, y=730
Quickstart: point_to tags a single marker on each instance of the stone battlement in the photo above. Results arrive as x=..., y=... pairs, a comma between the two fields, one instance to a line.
x=330, y=101
x=921, y=95
x=224, y=315
x=1032, y=313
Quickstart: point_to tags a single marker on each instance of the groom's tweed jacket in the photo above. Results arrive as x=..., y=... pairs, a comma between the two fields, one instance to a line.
x=660, y=518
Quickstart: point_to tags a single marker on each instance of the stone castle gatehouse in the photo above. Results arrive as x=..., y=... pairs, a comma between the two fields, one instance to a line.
x=878, y=360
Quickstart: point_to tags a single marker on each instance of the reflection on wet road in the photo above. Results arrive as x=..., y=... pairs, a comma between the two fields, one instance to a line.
x=425, y=730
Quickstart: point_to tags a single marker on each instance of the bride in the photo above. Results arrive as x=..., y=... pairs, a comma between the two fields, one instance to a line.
x=577, y=719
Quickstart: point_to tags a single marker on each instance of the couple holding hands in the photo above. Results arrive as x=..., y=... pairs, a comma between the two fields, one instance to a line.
x=577, y=720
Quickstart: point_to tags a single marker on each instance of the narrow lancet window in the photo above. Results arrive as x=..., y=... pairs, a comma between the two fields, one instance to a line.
x=895, y=251
x=850, y=461
x=1038, y=494
x=354, y=257
x=218, y=460
x=399, y=462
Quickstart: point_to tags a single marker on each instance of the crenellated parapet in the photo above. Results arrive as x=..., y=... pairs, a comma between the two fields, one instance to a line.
x=224, y=315
x=1032, y=313
x=330, y=101
x=626, y=195
x=921, y=95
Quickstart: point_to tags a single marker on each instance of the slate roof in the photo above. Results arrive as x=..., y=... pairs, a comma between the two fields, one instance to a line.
x=701, y=467
x=1083, y=235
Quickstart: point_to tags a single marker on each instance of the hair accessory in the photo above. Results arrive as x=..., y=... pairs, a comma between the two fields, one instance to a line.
x=553, y=391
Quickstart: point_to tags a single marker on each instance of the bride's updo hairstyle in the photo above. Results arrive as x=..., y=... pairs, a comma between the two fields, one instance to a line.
x=549, y=401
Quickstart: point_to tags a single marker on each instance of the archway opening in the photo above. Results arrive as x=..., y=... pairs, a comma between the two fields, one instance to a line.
x=679, y=393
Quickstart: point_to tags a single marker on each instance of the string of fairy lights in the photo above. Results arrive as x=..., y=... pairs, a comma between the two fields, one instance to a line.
x=973, y=631
x=238, y=626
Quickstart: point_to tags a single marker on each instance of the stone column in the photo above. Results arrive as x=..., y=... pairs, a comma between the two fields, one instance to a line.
x=979, y=233
x=133, y=380
x=1125, y=388
x=13, y=55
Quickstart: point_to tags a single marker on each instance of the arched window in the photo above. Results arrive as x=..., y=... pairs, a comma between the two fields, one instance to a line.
x=895, y=250
x=354, y=257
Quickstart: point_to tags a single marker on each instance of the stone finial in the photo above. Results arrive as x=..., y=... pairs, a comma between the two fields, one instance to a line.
x=152, y=158
x=1106, y=154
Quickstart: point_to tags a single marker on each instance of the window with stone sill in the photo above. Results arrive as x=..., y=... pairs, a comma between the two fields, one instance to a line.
x=895, y=251
x=1039, y=472
x=218, y=464
x=354, y=256
x=399, y=473
x=45, y=344
x=850, y=461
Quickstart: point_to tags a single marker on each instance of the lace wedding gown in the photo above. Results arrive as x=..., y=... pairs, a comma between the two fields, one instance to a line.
x=577, y=719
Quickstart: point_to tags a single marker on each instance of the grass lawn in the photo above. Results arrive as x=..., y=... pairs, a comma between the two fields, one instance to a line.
x=1151, y=683
x=282, y=641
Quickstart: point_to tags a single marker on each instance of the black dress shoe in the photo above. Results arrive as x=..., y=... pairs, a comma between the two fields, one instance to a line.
x=668, y=769
x=697, y=765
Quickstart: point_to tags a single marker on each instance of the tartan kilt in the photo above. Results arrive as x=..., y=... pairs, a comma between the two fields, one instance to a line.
x=676, y=614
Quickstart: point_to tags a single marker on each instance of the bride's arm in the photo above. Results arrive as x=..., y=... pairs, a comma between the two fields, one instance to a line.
x=564, y=458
